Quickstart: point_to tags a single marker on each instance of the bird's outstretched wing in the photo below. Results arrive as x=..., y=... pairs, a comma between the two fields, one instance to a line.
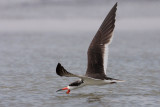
x=62, y=72
x=98, y=49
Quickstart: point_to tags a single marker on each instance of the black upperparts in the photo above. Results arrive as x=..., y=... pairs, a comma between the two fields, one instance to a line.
x=76, y=83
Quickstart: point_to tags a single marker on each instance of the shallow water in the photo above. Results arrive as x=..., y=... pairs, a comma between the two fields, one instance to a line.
x=29, y=54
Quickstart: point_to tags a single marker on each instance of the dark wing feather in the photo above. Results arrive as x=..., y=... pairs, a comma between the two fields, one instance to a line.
x=62, y=72
x=98, y=46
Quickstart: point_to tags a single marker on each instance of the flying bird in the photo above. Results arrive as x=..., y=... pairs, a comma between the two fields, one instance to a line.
x=97, y=57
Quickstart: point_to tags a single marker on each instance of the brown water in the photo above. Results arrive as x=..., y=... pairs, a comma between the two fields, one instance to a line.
x=35, y=36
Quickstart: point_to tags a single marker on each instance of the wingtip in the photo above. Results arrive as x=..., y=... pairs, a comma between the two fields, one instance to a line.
x=115, y=6
x=58, y=69
x=58, y=64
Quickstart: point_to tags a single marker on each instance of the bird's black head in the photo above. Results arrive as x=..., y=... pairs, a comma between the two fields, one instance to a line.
x=76, y=83
x=72, y=86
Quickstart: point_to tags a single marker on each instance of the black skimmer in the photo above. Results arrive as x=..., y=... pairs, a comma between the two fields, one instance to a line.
x=97, y=57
